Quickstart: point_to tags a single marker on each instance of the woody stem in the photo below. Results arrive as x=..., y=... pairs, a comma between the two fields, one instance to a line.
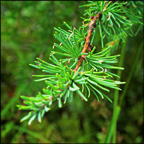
x=92, y=25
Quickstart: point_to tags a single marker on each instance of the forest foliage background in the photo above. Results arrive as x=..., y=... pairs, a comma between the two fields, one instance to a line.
x=27, y=29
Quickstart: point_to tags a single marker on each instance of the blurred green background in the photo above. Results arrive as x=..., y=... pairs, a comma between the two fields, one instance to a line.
x=27, y=29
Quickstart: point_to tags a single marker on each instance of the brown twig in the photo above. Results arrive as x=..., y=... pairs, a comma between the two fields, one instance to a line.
x=87, y=45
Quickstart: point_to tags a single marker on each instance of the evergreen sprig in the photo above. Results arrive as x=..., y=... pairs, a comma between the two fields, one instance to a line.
x=80, y=63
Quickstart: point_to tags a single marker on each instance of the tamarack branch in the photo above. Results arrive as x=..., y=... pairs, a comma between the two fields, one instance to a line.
x=63, y=82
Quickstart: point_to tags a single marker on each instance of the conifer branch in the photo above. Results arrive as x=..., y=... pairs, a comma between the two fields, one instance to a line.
x=114, y=23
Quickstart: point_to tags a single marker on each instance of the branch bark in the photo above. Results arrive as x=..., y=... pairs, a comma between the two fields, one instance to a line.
x=87, y=45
